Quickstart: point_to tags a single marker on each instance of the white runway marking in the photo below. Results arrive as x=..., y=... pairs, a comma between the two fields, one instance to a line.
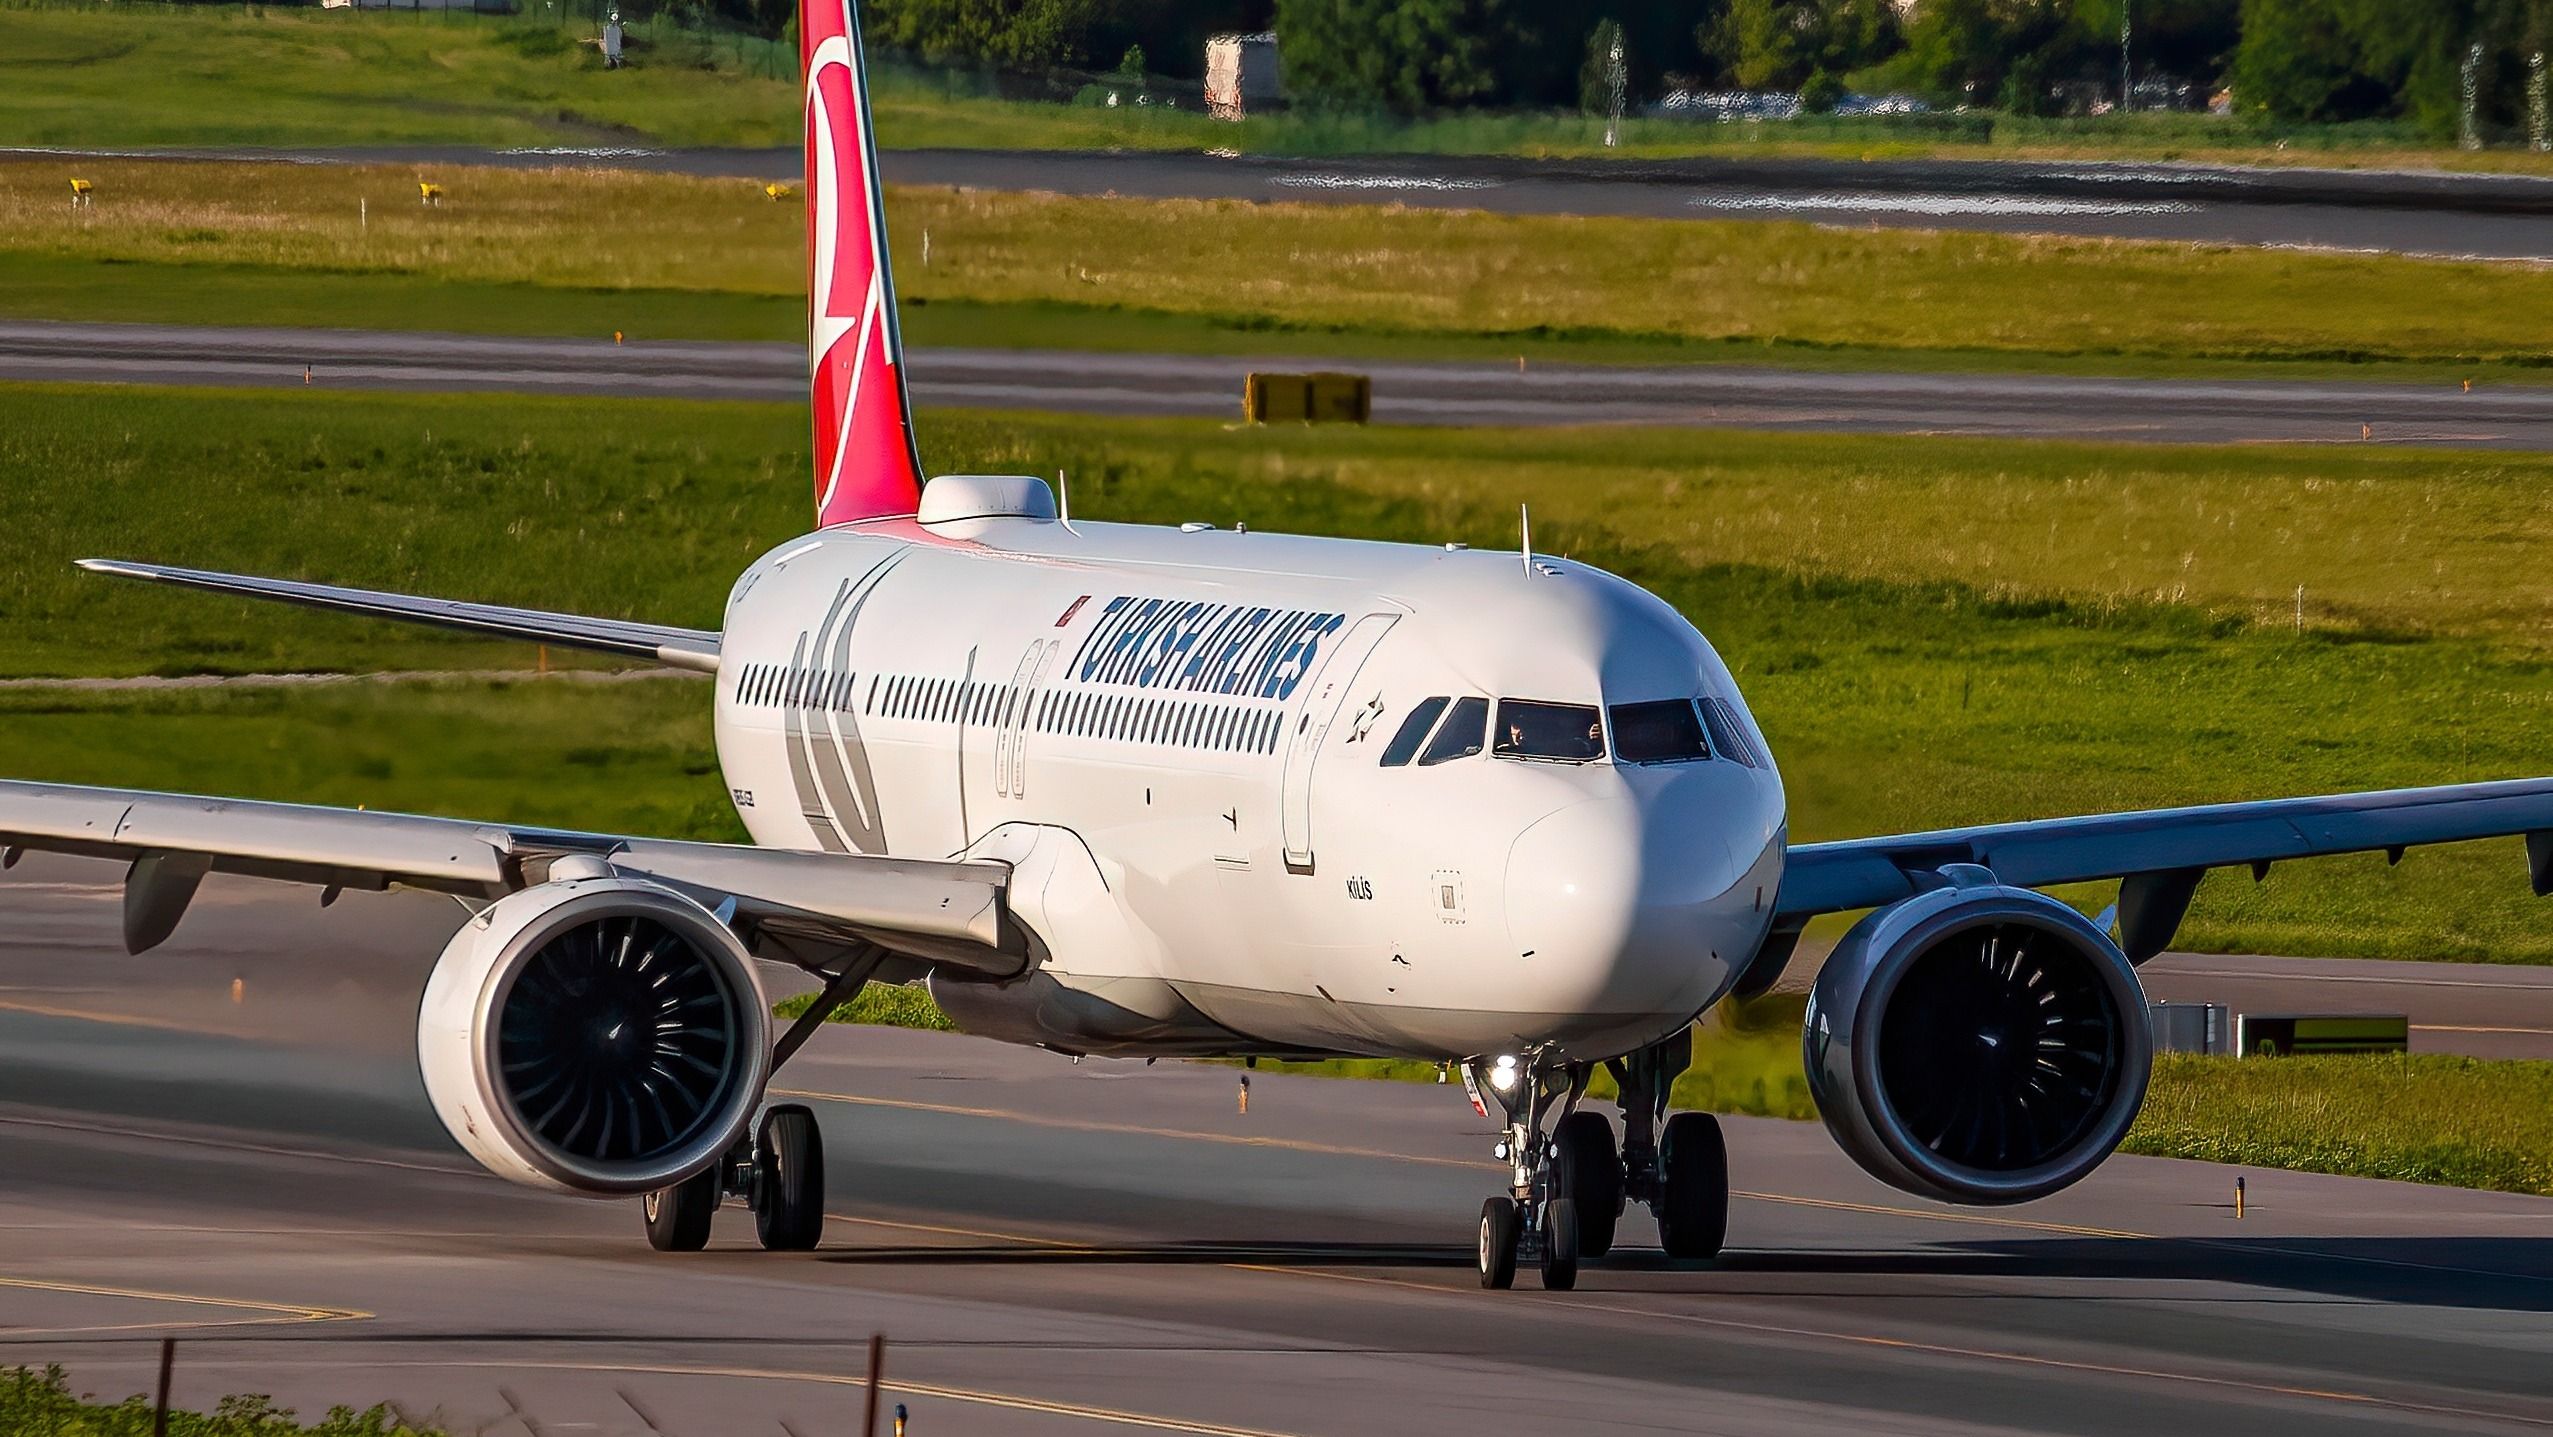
x=1919, y=204
x=1380, y=182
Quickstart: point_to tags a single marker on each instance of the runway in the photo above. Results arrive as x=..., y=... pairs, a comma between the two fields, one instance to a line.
x=1053, y=1248
x=1209, y=386
x=2461, y=215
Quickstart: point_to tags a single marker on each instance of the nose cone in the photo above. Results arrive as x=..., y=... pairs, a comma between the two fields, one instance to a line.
x=1613, y=907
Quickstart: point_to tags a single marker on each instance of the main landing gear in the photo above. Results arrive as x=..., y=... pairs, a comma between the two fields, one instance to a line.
x=1571, y=1186
x=778, y=1171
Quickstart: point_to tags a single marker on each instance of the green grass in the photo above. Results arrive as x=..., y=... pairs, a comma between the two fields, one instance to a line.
x=2136, y=650
x=2427, y=1118
x=133, y=74
x=620, y=758
x=250, y=75
x=884, y=1007
x=113, y=291
x=581, y=252
x=39, y=1402
x=661, y=506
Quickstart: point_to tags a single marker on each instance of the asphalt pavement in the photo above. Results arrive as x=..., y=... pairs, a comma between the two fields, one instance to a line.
x=224, y=1141
x=2202, y=411
x=2451, y=215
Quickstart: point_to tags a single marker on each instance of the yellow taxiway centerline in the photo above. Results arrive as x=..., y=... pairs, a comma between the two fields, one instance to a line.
x=276, y=1312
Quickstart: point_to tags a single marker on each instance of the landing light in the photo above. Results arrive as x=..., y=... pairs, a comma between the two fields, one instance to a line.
x=1502, y=1074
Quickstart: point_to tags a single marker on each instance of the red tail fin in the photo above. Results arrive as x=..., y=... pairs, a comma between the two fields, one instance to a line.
x=866, y=463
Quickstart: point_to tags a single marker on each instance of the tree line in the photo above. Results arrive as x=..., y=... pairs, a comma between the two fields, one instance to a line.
x=2283, y=60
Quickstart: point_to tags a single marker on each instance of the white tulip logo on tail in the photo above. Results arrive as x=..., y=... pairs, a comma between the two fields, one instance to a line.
x=866, y=465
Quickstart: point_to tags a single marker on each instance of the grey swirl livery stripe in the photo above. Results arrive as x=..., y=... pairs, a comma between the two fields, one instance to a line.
x=828, y=763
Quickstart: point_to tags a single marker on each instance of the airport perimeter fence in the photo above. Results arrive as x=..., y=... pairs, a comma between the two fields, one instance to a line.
x=40, y=1399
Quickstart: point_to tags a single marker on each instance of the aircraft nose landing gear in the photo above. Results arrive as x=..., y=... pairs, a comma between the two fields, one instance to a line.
x=1570, y=1188
x=1539, y=1218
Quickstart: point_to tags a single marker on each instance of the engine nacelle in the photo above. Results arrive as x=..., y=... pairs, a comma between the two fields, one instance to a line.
x=598, y=1036
x=1978, y=1044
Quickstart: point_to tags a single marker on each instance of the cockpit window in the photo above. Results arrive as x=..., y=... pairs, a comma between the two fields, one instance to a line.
x=1461, y=735
x=1727, y=734
x=1404, y=745
x=1560, y=733
x=1664, y=731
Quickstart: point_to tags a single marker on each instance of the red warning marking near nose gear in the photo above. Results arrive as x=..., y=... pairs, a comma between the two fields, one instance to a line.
x=1071, y=609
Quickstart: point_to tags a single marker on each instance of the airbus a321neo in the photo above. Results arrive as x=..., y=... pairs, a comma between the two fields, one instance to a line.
x=1118, y=789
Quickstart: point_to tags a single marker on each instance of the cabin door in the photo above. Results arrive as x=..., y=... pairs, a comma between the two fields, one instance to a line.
x=1328, y=689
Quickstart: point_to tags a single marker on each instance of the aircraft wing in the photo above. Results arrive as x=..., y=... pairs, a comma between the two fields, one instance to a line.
x=680, y=648
x=2160, y=854
x=787, y=905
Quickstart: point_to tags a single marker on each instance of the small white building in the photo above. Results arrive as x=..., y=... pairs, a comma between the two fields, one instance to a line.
x=1241, y=74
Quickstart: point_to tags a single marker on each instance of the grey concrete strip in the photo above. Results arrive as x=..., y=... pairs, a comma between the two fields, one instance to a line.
x=2458, y=215
x=1406, y=392
x=2485, y=1010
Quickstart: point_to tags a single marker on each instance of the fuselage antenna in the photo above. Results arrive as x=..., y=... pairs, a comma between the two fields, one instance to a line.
x=1525, y=523
x=1064, y=501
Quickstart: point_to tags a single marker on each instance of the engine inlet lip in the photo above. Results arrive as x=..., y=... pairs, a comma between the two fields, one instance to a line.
x=1958, y=1181
x=740, y=1084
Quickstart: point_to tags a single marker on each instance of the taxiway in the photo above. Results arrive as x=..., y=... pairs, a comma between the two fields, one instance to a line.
x=2203, y=411
x=1065, y=1248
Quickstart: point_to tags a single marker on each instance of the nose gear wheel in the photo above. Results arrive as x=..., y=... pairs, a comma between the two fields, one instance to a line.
x=1501, y=1229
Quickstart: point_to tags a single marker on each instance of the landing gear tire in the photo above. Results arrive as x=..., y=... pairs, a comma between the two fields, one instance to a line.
x=1500, y=1225
x=678, y=1216
x=1588, y=1171
x=1693, y=1167
x=1560, y=1244
x=788, y=1180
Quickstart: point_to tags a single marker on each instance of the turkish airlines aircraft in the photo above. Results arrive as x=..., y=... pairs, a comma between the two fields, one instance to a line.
x=1129, y=790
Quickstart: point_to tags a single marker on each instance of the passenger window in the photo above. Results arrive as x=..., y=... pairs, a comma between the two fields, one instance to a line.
x=1557, y=733
x=1461, y=736
x=1661, y=731
x=1404, y=744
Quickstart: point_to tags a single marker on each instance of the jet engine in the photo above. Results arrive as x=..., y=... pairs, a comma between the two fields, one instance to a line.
x=601, y=1036
x=1977, y=1044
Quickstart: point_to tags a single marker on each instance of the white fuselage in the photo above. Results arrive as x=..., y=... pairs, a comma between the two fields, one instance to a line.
x=1176, y=737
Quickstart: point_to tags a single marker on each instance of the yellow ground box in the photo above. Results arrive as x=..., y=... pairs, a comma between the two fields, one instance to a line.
x=1325, y=398
x=2272, y=1035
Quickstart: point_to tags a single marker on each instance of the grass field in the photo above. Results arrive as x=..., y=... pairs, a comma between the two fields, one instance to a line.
x=672, y=257
x=623, y=758
x=161, y=75
x=2073, y=670
x=248, y=75
x=2428, y=1118
x=2198, y=551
